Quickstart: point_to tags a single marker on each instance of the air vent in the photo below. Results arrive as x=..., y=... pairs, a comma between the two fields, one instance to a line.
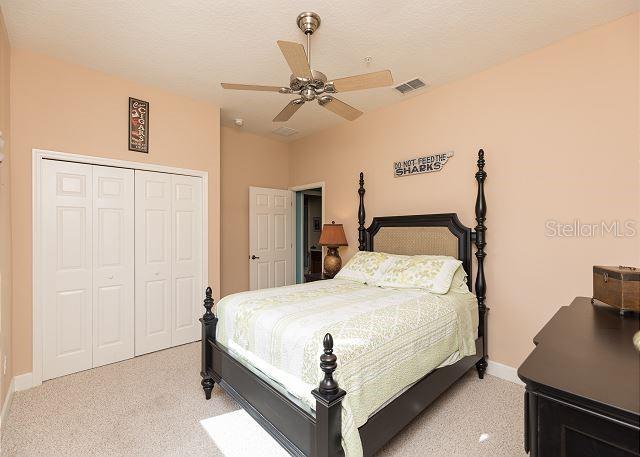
x=284, y=131
x=410, y=85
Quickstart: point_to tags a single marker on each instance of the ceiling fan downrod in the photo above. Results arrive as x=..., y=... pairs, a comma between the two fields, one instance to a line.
x=308, y=22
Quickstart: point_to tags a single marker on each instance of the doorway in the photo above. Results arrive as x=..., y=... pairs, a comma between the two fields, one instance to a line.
x=308, y=227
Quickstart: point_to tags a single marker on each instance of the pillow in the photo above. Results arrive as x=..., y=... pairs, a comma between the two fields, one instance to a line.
x=431, y=273
x=366, y=267
x=459, y=281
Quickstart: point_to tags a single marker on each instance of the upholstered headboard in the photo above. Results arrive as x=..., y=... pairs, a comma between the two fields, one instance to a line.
x=432, y=234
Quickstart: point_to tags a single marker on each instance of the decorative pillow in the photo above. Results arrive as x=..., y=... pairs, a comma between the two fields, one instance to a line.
x=459, y=283
x=366, y=267
x=431, y=273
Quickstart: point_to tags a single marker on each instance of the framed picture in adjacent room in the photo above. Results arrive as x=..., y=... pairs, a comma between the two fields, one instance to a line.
x=316, y=224
x=138, y=125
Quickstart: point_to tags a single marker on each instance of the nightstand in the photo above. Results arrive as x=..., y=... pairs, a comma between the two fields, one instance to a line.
x=311, y=277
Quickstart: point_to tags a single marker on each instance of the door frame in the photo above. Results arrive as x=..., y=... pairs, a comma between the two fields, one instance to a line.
x=36, y=231
x=297, y=231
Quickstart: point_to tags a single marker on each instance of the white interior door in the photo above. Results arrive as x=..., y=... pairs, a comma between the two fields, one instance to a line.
x=66, y=196
x=113, y=264
x=153, y=291
x=186, y=249
x=270, y=242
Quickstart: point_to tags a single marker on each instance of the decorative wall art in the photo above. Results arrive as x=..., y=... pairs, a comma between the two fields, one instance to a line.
x=419, y=165
x=138, y=125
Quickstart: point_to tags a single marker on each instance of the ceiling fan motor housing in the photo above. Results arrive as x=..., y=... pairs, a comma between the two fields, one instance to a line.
x=319, y=80
x=308, y=22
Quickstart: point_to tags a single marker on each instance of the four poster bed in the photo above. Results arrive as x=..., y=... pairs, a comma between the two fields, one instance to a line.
x=316, y=430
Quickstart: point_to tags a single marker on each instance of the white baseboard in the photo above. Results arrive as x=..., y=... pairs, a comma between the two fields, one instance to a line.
x=505, y=372
x=7, y=403
x=23, y=381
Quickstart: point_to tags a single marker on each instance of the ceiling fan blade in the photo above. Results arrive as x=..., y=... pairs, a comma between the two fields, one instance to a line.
x=250, y=87
x=366, y=81
x=340, y=108
x=296, y=58
x=289, y=110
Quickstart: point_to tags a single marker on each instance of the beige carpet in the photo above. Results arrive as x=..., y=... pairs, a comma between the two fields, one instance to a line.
x=153, y=406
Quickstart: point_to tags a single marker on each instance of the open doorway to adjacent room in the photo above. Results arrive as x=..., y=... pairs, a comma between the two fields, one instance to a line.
x=309, y=217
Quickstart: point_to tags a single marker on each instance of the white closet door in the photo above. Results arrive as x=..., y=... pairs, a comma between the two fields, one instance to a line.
x=66, y=267
x=187, y=258
x=153, y=294
x=113, y=265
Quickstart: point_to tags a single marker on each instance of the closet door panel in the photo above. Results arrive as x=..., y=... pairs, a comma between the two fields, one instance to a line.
x=186, y=258
x=113, y=265
x=153, y=296
x=66, y=240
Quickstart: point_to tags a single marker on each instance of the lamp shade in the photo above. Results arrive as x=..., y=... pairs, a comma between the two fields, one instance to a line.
x=333, y=235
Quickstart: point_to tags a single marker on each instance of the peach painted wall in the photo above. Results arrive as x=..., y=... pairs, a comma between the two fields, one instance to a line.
x=64, y=107
x=247, y=160
x=560, y=131
x=5, y=215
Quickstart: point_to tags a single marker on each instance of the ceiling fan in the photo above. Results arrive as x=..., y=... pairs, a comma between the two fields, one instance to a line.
x=311, y=84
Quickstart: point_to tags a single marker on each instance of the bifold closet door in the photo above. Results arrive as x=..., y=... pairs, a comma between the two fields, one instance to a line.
x=186, y=253
x=154, y=293
x=88, y=266
x=67, y=248
x=169, y=260
x=113, y=265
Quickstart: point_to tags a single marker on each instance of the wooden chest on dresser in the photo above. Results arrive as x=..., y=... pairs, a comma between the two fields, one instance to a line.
x=617, y=286
x=582, y=395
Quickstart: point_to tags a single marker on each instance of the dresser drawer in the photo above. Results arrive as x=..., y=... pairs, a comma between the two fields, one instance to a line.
x=567, y=430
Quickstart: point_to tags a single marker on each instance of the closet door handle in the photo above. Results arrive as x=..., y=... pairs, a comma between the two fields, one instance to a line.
x=254, y=257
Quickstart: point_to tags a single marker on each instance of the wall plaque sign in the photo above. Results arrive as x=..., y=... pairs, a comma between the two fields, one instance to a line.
x=419, y=165
x=138, y=125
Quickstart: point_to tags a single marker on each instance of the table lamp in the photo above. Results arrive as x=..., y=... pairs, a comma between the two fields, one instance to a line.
x=332, y=236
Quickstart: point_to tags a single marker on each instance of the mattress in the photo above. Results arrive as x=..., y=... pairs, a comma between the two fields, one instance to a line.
x=385, y=340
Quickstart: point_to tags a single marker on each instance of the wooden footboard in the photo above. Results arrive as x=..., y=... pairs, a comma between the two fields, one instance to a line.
x=299, y=432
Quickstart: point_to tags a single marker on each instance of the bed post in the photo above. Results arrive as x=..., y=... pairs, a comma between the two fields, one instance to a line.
x=361, y=215
x=328, y=409
x=209, y=322
x=481, y=285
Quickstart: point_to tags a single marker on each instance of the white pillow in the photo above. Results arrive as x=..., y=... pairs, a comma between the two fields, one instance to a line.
x=460, y=282
x=431, y=273
x=366, y=267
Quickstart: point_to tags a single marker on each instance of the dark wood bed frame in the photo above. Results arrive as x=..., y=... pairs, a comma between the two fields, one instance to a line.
x=303, y=434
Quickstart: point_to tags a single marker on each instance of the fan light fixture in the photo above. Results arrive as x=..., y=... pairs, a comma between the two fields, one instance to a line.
x=312, y=85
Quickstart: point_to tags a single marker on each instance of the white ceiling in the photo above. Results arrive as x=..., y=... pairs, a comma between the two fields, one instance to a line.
x=190, y=46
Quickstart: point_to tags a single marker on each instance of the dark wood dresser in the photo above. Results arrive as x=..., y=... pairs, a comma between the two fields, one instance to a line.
x=582, y=395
